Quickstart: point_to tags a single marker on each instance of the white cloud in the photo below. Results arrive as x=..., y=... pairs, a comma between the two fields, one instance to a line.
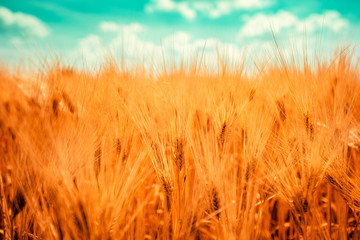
x=329, y=19
x=126, y=41
x=115, y=27
x=183, y=8
x=209, y=43
x=179, y=41
x=130, y=41
x=316, y=35
x=260, y=24
x=216, y=9
x=109, y=26
x=17, y=42
x=212, y=9
x=90, y=48
x=26, y=22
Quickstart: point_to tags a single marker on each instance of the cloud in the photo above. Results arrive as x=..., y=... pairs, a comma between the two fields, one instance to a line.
x=329, y=19
x=17, y=42
x=183, y=8
x=322, y=39
x=261, y=24
x=218, y=8
x=179, y=41
x=115, y=27
x=212, y=9
x=126, y=42
x=24, y=22
x=91, y=48
x=130, y=42
x=127, y=38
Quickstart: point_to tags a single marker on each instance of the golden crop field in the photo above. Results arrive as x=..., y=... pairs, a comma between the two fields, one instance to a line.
x=189, y=153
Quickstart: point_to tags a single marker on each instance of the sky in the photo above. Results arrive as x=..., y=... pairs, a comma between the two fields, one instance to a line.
x=83, y=32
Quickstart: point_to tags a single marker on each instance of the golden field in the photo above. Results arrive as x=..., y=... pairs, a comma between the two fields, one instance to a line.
x=187, y=154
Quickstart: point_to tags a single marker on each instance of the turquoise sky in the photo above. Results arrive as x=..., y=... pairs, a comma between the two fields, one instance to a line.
x=84, y=31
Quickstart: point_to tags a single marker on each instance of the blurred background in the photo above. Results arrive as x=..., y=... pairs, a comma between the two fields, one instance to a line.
x=149, y=32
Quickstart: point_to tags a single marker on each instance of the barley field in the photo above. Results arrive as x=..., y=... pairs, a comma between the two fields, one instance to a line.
x=188, y=153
